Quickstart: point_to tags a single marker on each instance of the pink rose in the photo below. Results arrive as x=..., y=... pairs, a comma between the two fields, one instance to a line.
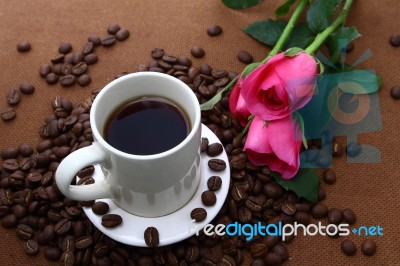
x=280, y=86
x=276, y=144
x=237, y=105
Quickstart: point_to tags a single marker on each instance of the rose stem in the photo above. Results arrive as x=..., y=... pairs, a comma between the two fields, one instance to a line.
x=321, y=37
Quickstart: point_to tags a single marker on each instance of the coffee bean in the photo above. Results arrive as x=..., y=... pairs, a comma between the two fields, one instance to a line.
x=198, y=214
x=302, y=217
x=79, y=69
x=321, y=193
x=44, y=70
x=217, y=164
x=78, y=57
x=51, y=78
x=122, y=35
x=65, y=48
x=238, y=193
x=83, y=242
x=67, y=80
x=9, y=153
x=208, y=198
x=100, y=207
x=57, y=59
x=108, y=40
x=13, y=97
x=258, y=262
x=272, y=190
x=113, y=28
x=31, y=247
x=111, y=220
x=239, y=162
x=319, y=211
x=288, y=208
x=227, y=260
x=353, y=149
x=151, y=237
x=197, y=51
x=24, y=232
x=348, y=247
x=368, y=247
x=26, y=88
x=329, y=176
x=395, y=40
x=192, y=253
x=245, y=57
x=90, y=59
x=244, y=215
x=395, y=92
x=94, y=39
x=349, y=216
x=157, y=53
x=68, y=258
x=87, y=171
x=88, y=48
x=209, y=259
x=214, y=149
x=337, y=149
x=214, y=30
x=62, y=226
x=273, y=259
x=84, y=80
x=10, y=164
x=204, y=144
x=23, y=46
x=52, y=253
x=7, y=114
x=214, y=183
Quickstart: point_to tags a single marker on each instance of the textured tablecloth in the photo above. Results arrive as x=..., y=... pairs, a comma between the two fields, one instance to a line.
x=371, y=190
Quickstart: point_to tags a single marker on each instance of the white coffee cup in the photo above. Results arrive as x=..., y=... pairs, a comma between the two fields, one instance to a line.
x=144, y=185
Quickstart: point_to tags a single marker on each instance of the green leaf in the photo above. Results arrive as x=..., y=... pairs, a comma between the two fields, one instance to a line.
x=266, y=31
x=320, y=13
x=301, y=37
x=299, y=118
x=304, y=184
x=241, y=4
x=284, y=9
x=338, y=41
x=210, y=103
x=292, y=52
x=359, y=81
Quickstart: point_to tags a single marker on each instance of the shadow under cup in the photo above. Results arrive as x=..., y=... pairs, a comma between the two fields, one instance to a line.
x=158, y=184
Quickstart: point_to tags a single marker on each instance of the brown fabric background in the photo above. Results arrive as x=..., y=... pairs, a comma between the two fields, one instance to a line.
x=370, y=190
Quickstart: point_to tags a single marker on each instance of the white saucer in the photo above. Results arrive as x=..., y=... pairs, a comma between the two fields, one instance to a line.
x=173, y=227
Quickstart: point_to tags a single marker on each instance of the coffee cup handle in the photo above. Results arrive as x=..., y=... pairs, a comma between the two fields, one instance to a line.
x=71, y=165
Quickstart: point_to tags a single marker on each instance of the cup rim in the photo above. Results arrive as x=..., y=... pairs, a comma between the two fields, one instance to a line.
x=99, y=138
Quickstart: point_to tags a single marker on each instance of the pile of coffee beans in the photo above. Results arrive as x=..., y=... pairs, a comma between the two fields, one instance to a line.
x=55, y=226
x=70, y=67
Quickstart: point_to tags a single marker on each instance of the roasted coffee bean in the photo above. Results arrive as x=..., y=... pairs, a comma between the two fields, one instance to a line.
x=302, y=217
x=122, y=35
x=65, y=48
x=108, y=40
x=281, y=250
x=67, y=80
x=348, y=247
x=9, y=221
x=255, y=204
x=349, y=216
x=10, y=164
x=214, y=30
x=68, y=258
x=273, y=259
x=52, y=253
x=26, y=88
x=79, y=69
x=239, y=162
x=288, y=208
x=244, y=215
x=245, y=57
x=353, y=149
x=227, y=260
x=113, y=28
x=334, y=216
x=272, y=190
x=337, y=149
x=88, y=48
x=77, y=57
x=368, y=247
x=214, y=183
x=238, y=193
x=69, y=58
x=209, y=259
x=44, y=70
x=7, y=114
x=24, y=46
x=319, y=211
x=31, y=247
x=321, y=193
x=204, y=144
x=214, y=149
x=217, y=164
x=111, y=220
x=13, y=97
x=83, y=242
x=62, y=226
x=87, y=171
x=94, y=39
x=100, y=207
x=9, y=153
x=51, y=78
x=57, y=59
x=84, y=80
x=395, y=40
x=151, y=237
x=208, y=198
x=258, y=250
x=157, y=53
x=198, y=214
x=258, y=262
x=90, y=59
x=395, y=92
x=197, y=51
x=192, y=253
x=329, y=176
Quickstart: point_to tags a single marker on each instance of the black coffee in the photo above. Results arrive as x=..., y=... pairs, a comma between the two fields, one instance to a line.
x=146, y=126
